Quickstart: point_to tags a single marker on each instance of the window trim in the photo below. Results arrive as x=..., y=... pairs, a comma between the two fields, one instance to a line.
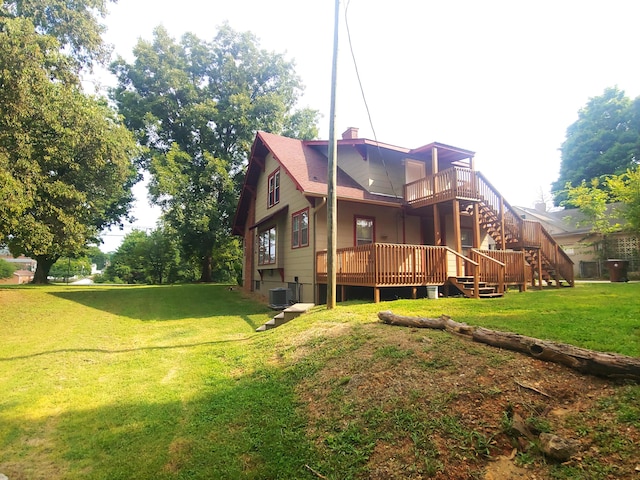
x=355, y=228
x=261, y=251
x=299, y=214
x=273, y=193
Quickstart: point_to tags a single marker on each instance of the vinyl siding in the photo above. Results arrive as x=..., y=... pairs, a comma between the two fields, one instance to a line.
x=298, y=262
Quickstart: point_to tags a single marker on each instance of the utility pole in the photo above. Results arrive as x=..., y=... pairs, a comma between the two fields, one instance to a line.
x=332, y=205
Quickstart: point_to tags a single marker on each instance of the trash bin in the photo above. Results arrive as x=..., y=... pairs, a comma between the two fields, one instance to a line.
x=618, y=270
x=432, y=292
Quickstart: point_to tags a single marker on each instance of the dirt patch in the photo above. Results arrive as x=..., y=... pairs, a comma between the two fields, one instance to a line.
x=411, y=403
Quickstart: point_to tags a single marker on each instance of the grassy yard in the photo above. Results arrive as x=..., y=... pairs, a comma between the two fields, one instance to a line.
x=172, y=382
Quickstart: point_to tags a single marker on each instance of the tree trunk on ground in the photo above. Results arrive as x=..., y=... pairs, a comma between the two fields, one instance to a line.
x=206, y=269
x=610, y=365
x=43, y=267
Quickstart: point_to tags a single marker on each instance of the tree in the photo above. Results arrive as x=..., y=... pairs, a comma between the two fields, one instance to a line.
x=605, y=140
x=625, y=188
x=66, y=159
x=75, y=24
x=71, y=267
x=152, y=258
x=6, y=269
x=196, y=106
x=128, y=262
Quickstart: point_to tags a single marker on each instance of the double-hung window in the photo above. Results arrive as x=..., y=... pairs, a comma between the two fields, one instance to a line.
x=365, y=232
x=274, y=189
x=300, y=229
x=267, y=247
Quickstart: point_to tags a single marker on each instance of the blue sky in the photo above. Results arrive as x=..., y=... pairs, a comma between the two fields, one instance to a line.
x=502, y=78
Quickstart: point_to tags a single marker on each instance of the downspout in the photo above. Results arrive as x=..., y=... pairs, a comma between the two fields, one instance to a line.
x=315, y=251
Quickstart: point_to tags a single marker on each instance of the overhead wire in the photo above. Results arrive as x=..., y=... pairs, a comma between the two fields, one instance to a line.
x=364, y=98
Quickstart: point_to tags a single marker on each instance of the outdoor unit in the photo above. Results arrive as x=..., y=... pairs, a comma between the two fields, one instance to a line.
x=279, y=297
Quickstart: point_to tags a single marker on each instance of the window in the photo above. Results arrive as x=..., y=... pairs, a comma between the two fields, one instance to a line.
x=300, y=229
x=364, y=230
x=274, y=189
x=267, y=247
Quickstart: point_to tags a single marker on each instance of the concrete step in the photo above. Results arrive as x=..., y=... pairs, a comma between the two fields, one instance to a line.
x=285, y=316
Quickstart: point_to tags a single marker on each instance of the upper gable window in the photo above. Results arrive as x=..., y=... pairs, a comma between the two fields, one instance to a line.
x=300, y=229
x=274, y=189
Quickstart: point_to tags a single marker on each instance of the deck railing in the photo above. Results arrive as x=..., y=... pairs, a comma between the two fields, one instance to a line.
x=455, y=182
x=515, y=272
x=386, y=265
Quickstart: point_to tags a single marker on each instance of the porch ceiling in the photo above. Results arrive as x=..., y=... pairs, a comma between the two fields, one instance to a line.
x=446, y=153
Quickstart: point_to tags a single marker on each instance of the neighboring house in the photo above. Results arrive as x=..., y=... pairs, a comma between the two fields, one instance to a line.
x=407, y=219
x=570, y=228
x=19, y=277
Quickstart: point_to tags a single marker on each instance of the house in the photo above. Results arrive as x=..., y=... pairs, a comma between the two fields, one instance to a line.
x=407, y=219
x=588, y=250
x=19, y=277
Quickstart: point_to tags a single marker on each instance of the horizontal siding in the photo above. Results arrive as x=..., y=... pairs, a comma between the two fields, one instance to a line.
x=295, y=262
x=352, y=163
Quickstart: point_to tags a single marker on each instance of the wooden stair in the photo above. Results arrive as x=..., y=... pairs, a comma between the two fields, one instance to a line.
x=466, y=287
x=555, y=265
x=285, y=316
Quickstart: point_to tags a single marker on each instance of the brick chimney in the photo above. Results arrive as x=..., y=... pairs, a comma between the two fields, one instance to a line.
x=350, y=133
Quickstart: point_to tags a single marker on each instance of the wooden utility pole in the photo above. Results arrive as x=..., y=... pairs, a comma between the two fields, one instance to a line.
x=332, y=202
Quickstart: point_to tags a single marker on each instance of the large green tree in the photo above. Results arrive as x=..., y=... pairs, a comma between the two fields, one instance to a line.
x=66, y=166
x=605, y=140
x=196, y=105
x=75, y=24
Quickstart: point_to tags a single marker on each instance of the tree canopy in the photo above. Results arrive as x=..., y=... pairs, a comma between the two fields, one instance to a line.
x=605, y=140
x=66, y=167
x=75, y=25
x=195, y=106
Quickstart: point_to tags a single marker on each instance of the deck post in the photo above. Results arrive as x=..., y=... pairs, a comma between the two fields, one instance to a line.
x=376, y=294
x=503, y=242
x=539, y=270
x=414, y=293
x=476, y=225
x=457, y=237
x=437, y=233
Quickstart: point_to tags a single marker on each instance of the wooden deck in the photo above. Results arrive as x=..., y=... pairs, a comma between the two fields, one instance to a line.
x=380, y=265
x=497, y=217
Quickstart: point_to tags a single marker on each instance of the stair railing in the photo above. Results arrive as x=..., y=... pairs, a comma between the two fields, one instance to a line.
x=492, y=271
x=525, y=233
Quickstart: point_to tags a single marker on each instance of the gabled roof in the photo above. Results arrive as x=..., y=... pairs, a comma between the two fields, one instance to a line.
x=568, y=221
x=304, y=163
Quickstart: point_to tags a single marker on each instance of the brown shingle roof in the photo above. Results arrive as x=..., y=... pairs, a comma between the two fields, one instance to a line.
x=308, y=168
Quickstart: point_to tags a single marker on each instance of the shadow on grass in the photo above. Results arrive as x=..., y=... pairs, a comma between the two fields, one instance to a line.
x=124, y=350
x=246, y=427
x=171, y=302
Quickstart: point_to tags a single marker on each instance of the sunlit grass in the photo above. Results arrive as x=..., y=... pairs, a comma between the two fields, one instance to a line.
x=174, y=382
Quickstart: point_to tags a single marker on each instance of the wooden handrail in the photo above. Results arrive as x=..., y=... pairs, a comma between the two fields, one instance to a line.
x=488, y=273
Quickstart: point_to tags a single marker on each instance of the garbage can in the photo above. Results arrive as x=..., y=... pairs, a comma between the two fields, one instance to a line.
x=618, y=270
x=432, y=292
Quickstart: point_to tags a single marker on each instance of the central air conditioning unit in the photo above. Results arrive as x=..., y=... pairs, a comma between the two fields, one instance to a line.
x=279, y=298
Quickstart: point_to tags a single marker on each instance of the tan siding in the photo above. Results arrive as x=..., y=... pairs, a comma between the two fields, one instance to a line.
x=354, y=165
x=295, y=262
x=386, y=177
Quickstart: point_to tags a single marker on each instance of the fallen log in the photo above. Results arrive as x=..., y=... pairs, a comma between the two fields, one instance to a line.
x=611, y=365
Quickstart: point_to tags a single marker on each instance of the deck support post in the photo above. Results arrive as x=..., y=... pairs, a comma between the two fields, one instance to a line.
x=376, y=295
x=414, y=293
x=476, y=225
x=503, y=240
x=457, y=237
x=539, y=270
x=437, y=233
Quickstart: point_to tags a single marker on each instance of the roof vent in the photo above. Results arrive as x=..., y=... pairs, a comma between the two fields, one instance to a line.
x=350, y=133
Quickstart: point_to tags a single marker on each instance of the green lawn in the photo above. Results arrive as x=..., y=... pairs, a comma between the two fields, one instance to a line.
x=171, y=382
